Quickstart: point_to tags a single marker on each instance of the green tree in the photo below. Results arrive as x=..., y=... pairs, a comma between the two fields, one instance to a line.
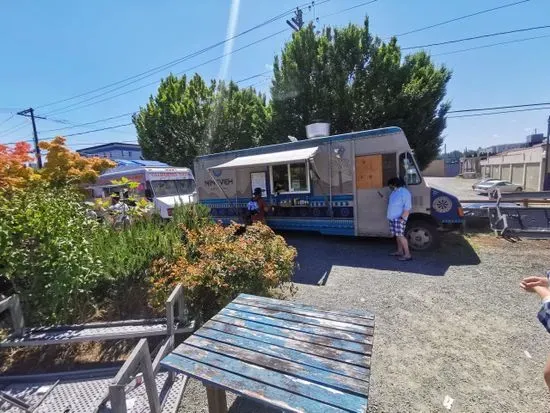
x=355, y=81
x=239, y=118
x=173, y=127
x=187, y=119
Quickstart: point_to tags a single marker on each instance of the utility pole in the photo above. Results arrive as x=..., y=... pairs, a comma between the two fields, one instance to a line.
x=29, y=113
x=297, y=22
x=545, y=181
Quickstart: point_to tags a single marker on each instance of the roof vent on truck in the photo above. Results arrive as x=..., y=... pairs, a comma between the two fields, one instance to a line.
x=317, y=130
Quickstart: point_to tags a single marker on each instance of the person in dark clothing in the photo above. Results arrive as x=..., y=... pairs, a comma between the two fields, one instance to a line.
x=257, y=207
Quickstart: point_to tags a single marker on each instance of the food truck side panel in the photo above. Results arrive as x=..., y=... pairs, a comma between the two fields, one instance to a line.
x=347, y=192
x=331, y=178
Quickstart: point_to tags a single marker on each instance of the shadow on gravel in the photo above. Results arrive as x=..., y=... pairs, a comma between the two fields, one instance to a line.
x=317, y=254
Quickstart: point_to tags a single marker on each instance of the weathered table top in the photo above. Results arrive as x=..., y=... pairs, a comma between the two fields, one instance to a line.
x=283, y=354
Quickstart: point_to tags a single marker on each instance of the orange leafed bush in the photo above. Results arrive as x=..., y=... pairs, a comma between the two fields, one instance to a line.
x=215, y=264
x=62, y=166
x=14, y=173
x=66, y=166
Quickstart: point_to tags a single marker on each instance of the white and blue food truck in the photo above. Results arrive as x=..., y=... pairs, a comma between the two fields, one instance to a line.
x=331, y=184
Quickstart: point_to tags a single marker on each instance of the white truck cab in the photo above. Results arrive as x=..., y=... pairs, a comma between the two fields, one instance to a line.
x=166, y=187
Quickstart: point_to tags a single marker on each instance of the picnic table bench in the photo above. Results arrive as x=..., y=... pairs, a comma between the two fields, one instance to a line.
x=176, y=322
x=99, y=390
x=285, y=355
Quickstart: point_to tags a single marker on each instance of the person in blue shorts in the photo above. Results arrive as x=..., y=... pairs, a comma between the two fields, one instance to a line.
x=540, y=285
x=399, y=207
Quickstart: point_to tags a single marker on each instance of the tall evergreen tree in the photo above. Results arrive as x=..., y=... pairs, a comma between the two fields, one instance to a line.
x=355, y=81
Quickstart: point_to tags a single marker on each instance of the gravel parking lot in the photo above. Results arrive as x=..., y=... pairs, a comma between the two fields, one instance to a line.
x=450, y=323
x=459, y=187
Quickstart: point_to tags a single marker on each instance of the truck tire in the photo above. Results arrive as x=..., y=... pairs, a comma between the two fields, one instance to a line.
x=422, y=235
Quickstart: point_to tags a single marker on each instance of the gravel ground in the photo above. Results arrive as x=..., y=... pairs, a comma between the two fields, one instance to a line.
x=451, y=323
x=459, y=187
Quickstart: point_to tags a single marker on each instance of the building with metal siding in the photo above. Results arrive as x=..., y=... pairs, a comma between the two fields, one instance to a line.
x=523, y=167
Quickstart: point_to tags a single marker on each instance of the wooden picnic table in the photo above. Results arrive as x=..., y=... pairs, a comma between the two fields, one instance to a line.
x=285, y=355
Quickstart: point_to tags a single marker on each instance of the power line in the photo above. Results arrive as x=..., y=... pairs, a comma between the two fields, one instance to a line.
x=254, y=76
x=497, y=113
x=91, y=131
x=491, y=45
x=461, y=18
x=78, y=106
x=89, y=123
x=483, y=36
x=366, y=3
x=157, y=69
x=13, y=129
x=10, y=117
x=499, y=107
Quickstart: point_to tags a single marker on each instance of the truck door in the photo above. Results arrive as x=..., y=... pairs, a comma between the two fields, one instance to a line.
x=371, y=193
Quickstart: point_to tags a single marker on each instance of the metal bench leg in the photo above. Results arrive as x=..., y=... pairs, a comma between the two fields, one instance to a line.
x=217, y=402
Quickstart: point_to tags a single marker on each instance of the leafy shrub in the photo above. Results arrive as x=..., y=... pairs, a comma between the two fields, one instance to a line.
x=126, y=255
x=46, y=255
x=216, y=264
x=191, y=216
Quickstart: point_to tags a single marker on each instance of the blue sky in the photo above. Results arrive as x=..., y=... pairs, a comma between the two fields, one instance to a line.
x=51, y=50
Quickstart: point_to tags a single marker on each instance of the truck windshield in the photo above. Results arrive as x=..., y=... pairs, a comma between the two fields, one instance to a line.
x=408, y=170
x=173, y=187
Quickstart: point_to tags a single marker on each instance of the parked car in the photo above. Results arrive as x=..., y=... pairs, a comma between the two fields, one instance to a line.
x=491, y=187
x=484, y=181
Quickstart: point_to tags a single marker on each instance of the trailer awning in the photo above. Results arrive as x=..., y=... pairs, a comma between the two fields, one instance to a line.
x=269, y=158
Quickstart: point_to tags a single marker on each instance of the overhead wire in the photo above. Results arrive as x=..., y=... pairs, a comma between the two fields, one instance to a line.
x=10, y=117
x=491, y=45
x=499, y=107
x=483, y=36
x=143, y=75
x=17, y=127
x=254, y=76
x=461, y=18
x=89, y=123
x=91, y=131
x=79, y=105
x=178, y=73
x=472, y=115
x=263, y=73
x=366, y=3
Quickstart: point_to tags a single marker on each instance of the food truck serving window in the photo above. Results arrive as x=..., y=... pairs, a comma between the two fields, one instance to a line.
x=290, y=178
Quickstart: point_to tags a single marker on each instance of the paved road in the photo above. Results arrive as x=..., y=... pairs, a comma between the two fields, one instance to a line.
x=462, y=188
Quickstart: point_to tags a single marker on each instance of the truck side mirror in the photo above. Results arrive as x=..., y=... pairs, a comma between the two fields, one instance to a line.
x=148, y=194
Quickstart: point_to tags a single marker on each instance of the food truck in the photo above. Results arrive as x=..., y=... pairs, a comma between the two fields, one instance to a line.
x=331, y=184
x=166, y=187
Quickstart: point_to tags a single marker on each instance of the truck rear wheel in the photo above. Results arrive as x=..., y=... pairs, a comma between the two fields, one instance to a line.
x=422, y=235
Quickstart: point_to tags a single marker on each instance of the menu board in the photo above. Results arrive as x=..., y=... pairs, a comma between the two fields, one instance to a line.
x=258, y=180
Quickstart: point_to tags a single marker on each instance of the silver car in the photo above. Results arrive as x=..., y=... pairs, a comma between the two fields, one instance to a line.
x=491, y=187
x=484, y=181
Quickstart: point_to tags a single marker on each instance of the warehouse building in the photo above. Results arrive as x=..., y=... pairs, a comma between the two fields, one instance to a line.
x=524, y=167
